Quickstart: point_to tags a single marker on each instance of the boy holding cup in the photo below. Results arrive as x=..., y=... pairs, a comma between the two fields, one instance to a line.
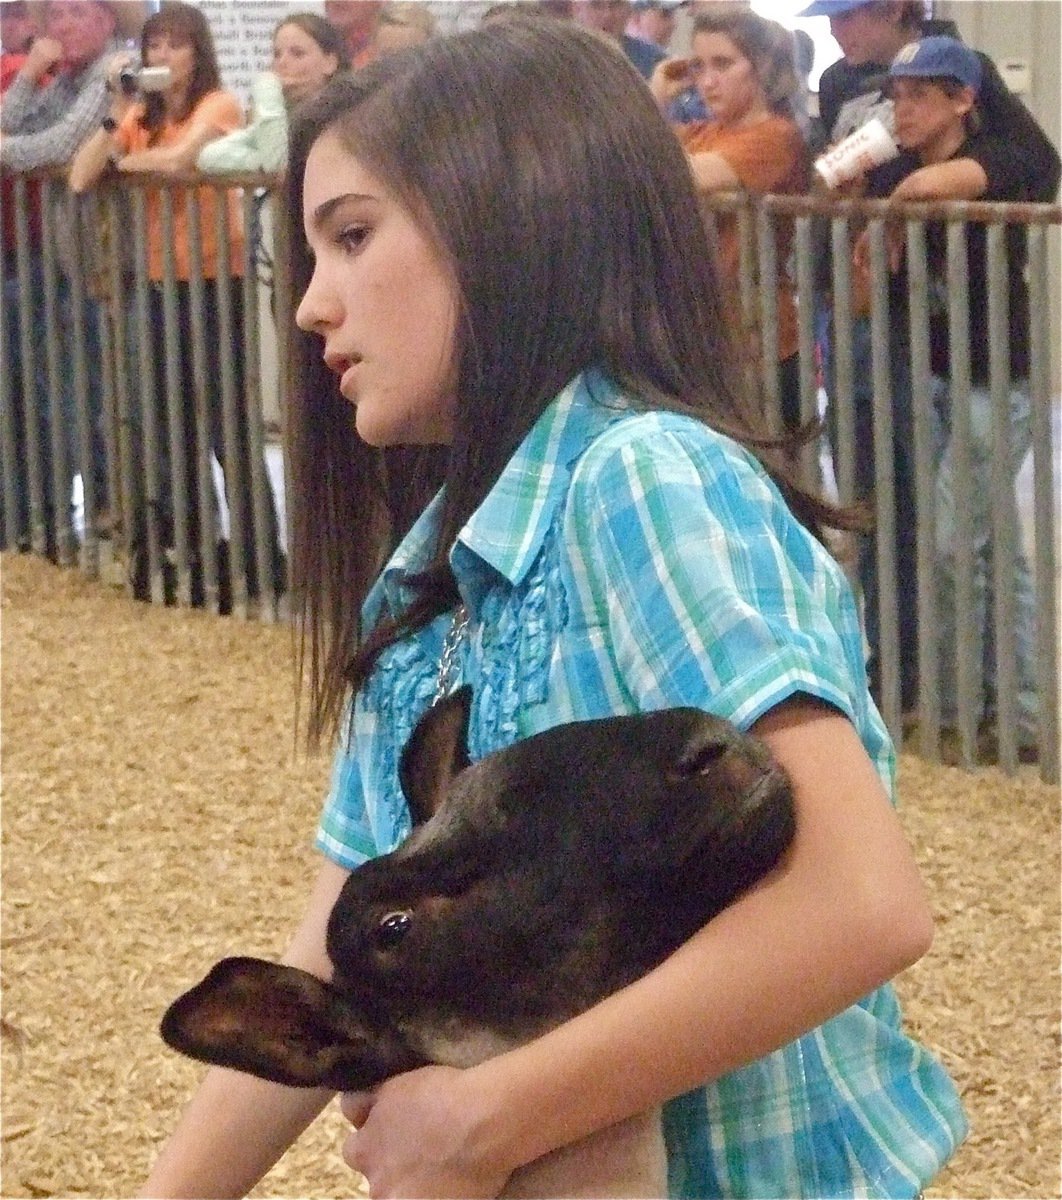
x=946, y=154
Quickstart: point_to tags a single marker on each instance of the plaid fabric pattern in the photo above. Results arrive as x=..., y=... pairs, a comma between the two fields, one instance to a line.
x=629, y=560
x=45, y=126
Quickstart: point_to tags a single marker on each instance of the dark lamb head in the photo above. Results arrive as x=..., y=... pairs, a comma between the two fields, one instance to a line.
x=535, y=883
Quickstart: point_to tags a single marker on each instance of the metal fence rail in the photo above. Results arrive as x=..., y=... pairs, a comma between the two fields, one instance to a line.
x=144, y=387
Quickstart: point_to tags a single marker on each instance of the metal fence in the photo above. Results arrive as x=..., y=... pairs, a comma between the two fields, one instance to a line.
x=149, y=390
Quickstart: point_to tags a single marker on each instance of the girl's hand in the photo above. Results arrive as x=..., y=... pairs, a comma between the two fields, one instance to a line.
x=420, y=1135
x=670, y=78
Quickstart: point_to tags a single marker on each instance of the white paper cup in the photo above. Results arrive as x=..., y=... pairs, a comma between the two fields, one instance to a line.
x=870, y=146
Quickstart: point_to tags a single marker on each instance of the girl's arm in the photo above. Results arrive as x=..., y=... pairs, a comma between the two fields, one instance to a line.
x=102, y=148
x=173, y=159
x=237, y=1126
x=845, y=913
x=90, y=162
x=712, y=172
x=216, y=114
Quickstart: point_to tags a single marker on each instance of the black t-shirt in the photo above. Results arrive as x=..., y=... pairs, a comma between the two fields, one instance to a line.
x=1006, y=181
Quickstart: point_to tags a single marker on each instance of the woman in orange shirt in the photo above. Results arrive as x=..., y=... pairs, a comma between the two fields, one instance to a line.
x=743, y=66
x=162, y=132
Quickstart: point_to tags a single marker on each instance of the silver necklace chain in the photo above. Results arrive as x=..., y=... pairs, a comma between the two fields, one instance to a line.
x=449, y=659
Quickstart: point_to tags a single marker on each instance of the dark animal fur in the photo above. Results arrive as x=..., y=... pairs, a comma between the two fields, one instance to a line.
x=535, y=883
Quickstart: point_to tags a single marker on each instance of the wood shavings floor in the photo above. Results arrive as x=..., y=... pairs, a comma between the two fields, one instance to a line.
x=157, y=815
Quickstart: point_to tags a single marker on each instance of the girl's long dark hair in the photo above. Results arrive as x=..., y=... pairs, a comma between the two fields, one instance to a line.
x=183, y=23
x=537, y=160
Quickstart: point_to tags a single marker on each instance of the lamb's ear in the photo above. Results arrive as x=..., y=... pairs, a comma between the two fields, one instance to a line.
x=435, y=752
x=278, y=1023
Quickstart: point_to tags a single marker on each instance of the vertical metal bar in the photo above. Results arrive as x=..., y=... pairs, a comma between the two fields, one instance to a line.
x=175, y=401
x=767, y=342
x=62, y=470
x=844, y=372
x=29, y=348
x=85, y=418
x=1045, y=501
x=968, y=665
x=284, y=318
x=152, y=437
x=809, y=398
x=749, y=307
x=205, y=496
x=921, y=398
x=1004, y=501
x=889, y=649
x=124, y=500
x=9, y=421
x=229, y=400
x=259, y=490
x=105, y=251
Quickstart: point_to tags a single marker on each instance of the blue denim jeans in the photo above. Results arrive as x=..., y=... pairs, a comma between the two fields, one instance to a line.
x=977, y=501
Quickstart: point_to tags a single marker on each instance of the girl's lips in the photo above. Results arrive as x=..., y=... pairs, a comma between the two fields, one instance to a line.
x=339, y=363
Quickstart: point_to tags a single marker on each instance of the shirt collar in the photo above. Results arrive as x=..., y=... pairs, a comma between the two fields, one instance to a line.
x=504, y=535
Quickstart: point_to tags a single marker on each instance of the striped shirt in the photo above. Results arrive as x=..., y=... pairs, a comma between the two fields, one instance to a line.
x=625, y=561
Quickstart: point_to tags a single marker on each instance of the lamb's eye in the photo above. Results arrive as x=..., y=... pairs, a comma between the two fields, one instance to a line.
x=393, y=928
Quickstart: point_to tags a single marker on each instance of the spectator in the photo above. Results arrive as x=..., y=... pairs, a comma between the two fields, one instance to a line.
x=609, y=18
x=18, y=28
x=947, y=155
x=598, y=546
x=307, y=52
x=401, y=25
x=870, y=34
x=54, y=100
x=653, y=21
x=742, y=65
x=164, y=132
x=356, y=21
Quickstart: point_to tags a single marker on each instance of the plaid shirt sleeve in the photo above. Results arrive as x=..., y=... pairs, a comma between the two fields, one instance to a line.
x=31, y=139
x=707, y=589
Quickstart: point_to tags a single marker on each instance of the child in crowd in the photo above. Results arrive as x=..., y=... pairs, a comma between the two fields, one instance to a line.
x=947, y=154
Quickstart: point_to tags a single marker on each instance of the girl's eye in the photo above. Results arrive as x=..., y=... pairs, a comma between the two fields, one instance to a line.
x=352, y=238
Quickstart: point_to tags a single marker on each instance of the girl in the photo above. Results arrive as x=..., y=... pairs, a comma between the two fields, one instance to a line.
x=163, y=132
x=506, y=287
x=307, y=52
x=743, y=66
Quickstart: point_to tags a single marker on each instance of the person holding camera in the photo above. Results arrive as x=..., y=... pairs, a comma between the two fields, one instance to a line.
x=162, y=114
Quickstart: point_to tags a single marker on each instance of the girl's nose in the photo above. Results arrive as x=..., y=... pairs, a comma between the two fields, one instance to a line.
x=316, y=312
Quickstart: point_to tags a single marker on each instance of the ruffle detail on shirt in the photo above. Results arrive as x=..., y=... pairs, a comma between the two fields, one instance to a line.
x=400, y=691
x=520, y=628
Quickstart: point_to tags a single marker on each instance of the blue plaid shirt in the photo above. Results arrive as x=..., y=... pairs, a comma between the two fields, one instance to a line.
x=624, y=561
